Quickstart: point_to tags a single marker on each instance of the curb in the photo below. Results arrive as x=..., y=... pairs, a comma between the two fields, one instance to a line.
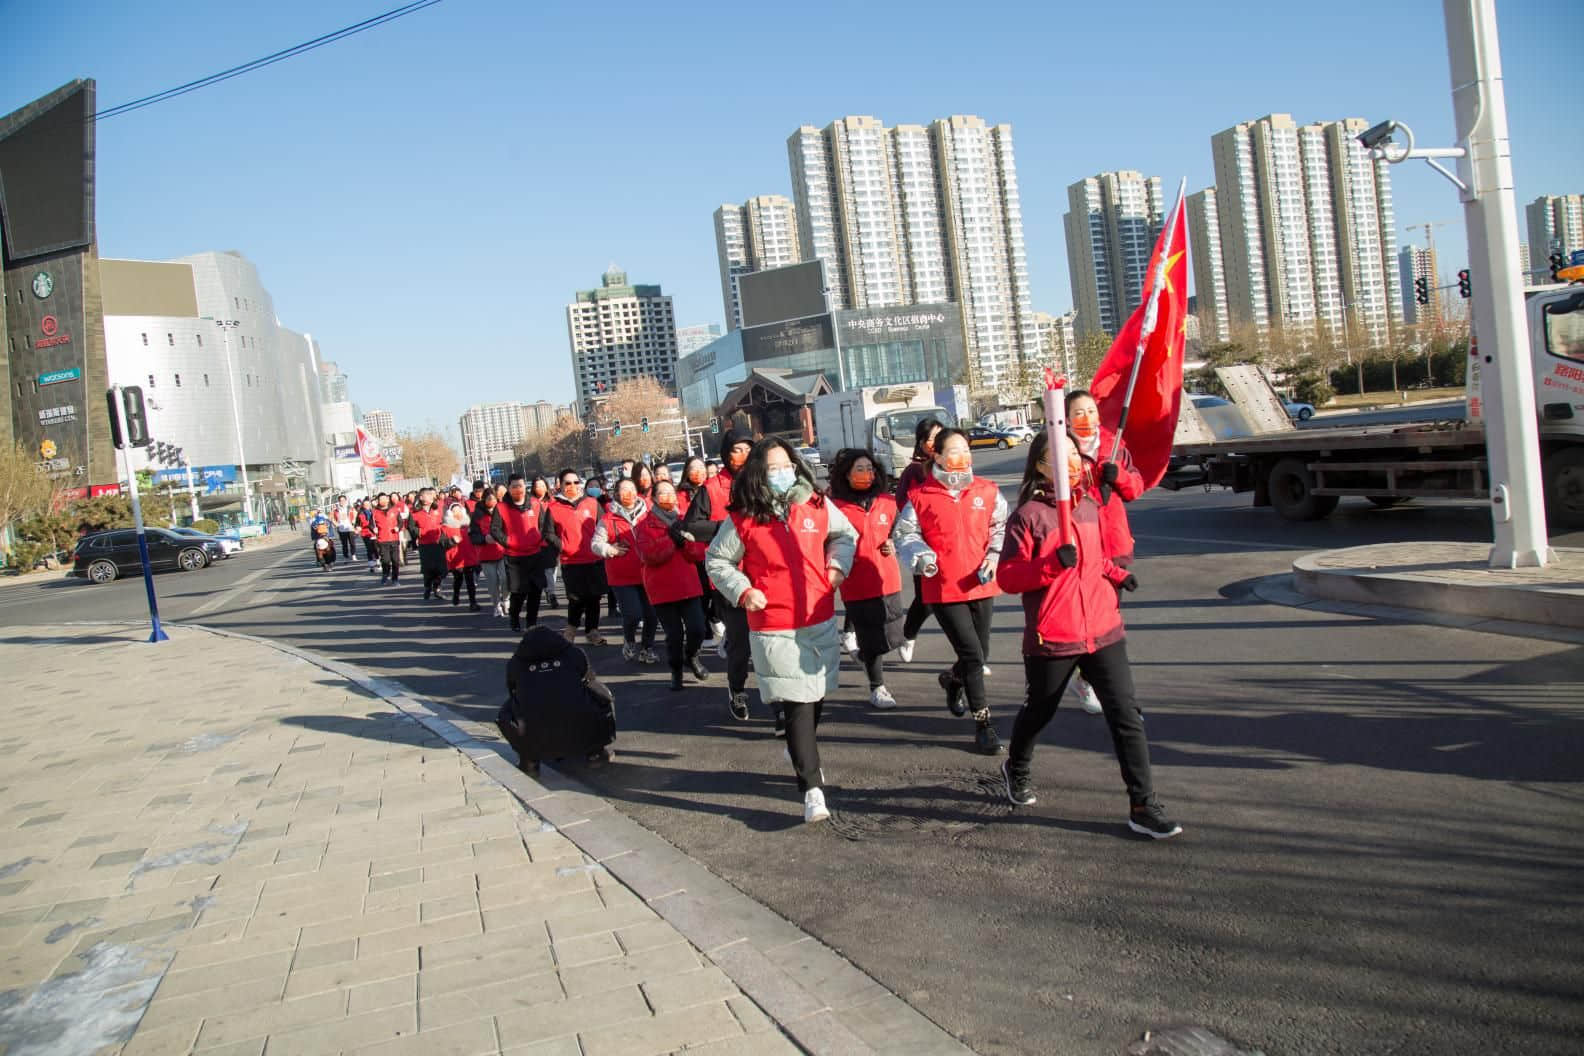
x=1282, y=589
x=814, y=995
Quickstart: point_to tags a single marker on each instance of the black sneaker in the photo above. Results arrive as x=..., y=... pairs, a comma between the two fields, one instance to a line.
x=516, y=627
x=1149, y=819
x=700, y=672
x=676, y=680
x=985, y=740
x=954, y=694
x=1018, y=789
x=780, y=723
x=739, y=706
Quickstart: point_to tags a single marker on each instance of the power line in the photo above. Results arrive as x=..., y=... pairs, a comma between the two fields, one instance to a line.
x=268, y=60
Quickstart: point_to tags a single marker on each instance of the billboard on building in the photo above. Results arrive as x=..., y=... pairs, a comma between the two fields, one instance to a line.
x=792, y=292
x=791, y=338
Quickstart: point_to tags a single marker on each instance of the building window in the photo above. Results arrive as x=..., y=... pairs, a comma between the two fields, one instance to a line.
x=145, y=340
x=206, y=381
x=170, y=339
x=200, y=339
x=237, y=302
x=178, y=381
x=151, y=381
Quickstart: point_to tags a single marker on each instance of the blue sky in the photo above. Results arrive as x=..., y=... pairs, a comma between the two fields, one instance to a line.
x=425, y=197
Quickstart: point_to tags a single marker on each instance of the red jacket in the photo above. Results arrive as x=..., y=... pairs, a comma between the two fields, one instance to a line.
x=485, y=548
x=463, y=555
x=914, y=473
x=426, y=524
x=627, y=569
x=1113, y=515
x=365, y=524
x=521, y=532
x=670, y=571
x=575, y=523
x=958, y=529
x=387, y=524
x=873, y=574
x=786, y=561
x=1066, y=611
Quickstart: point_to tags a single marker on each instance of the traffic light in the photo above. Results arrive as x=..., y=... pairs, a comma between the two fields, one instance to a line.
x=615, y=427
x=714, y=426
x=135, y=417
x=1421, y=291
x=1557, y=261
x=592, y=430
x=1465, y=288
x=643, y=423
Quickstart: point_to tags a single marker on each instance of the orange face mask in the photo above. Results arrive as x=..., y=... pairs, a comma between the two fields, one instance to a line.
x=861, y=479
x=666, y=501
x=958, y=462
x=1085, y=420
x=1074, y=469
x=570, y=490
x=735, y=460
x=695, y=476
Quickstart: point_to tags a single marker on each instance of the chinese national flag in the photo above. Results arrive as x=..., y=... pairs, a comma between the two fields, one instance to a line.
x=1152, y=418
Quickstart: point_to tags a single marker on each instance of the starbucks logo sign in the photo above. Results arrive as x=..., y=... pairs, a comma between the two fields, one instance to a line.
x=43, y=285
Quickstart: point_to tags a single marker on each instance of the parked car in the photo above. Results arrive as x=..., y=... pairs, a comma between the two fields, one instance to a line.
x=1023, y=434
x=1301, y=411
x=810, y=455
x=979, y=436
x=1202, y=399
x=228, y=545
x=103, y=556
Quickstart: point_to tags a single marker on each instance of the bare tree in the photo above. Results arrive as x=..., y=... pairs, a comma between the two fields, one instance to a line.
x=426, y=454
x=633, y=401
x=25, y=490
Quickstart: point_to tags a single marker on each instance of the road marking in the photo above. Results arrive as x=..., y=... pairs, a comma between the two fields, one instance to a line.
x=1221, y=542
x=243, y=584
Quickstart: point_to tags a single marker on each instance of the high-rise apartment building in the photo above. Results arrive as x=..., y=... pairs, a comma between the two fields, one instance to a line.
x=1523, y=264
x=1112, y=222
x=381, y=425
x=692, y=338
x=1209, y=271
x=758, y=235
x=1556, y=225
x=1058, y=342
x=332, y=383
x=915, y=215
x=490, y=432
x=1414, y=263
x=1307, y=230
x=619, y=332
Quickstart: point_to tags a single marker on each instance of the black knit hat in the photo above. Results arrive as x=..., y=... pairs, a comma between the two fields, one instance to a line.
x=730, y=438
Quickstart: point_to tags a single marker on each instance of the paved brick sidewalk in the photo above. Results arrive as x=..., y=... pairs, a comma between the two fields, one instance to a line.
x=213, y=846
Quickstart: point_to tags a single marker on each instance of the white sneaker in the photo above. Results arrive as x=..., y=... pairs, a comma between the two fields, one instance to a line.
x=629, y=652
x=814, y=808
x=905, y=650
x=987, y=670
x=882, y=699
x=850, y=642
x=1087, y=699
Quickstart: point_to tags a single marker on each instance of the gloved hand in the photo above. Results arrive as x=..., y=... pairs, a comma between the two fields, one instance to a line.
x=1109, y=471
x=678, y=536
x=1067, y=555
x=1129, y=583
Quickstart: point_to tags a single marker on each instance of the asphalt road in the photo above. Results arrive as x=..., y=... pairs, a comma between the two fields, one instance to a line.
x=1383, y=821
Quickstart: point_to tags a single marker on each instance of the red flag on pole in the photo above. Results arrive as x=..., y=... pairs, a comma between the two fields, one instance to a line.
x=369, y=451
x=1139, y=383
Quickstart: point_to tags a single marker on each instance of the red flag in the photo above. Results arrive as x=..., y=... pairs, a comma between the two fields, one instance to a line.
x=369, y=451
x=1152, y=416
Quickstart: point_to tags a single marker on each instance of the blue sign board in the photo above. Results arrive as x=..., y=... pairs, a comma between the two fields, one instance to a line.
x=51, y=377
x=211, y=478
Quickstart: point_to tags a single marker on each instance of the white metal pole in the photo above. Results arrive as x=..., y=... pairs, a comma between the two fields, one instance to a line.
x=192, y=492
x=1512, y=435
x=236, y=419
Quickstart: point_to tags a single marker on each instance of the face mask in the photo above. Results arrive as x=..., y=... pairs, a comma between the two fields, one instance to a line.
x=781, y=480
x=736, y=460
x=861, y=480
x=696, y=476
x=665, y=502
x=594, y=490
x=570, y=490
x=954, y=478
x=1074, y=470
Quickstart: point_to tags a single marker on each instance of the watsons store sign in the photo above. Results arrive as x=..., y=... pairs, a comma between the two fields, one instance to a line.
x=56, y=376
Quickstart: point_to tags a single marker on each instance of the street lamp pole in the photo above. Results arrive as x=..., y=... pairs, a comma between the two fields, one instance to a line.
x=226, y=326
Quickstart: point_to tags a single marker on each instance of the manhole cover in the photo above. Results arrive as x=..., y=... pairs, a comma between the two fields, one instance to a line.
x=919, y=803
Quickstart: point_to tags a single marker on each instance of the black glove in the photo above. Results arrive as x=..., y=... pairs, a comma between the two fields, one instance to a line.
x=675, y=532
x=1067, y=555
x=1129, y=583
x=1109, y=471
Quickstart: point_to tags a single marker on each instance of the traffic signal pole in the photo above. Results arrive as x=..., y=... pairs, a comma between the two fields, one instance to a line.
x=123, y=440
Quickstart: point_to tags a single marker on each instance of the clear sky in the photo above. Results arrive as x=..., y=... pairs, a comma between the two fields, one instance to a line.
x=424, y=198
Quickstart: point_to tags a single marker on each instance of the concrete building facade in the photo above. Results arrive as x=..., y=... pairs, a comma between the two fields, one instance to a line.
x=490, y=432
x=381, y=425
x=1414, y=263
x=1209, y=271
x=758, y=235
x=1112, y=222
x=1556, y=225
x=692, y=338
x=1058, y=341
x=618, y=332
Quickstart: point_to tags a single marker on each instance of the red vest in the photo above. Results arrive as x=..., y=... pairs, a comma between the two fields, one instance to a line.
x=491, y=550
x=575, y=523
x=719, y=488
x=523, y=538
x=670, y=572
x=464, y=554
x=387, y=524
x=428, y=522
x=626, y=570
x=872, y=575
x=958, y=530
x=786, y=560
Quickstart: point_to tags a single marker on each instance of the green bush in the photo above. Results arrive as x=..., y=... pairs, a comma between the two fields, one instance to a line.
x=206, y=525
x=1312, y=388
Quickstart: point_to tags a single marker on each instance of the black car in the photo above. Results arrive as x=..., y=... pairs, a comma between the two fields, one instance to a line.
x=103, y=556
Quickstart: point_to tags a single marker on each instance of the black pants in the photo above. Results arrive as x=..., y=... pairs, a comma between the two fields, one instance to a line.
x=967, y=627
x=468, y=576
x=372, y=547
x=874, y=667
x=585, y=585
x=802, y=723
x=1108, y=672
x=326, y=557
x=707, y=603
x=917, y=612
x=390, y=561
x=523, y=584
x=736, y=620
x=684, y=629
x=346, y=544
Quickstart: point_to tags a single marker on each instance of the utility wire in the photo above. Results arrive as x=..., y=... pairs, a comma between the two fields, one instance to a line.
x=268, y=60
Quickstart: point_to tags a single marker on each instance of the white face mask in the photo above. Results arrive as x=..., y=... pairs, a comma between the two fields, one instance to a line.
x=954, y=480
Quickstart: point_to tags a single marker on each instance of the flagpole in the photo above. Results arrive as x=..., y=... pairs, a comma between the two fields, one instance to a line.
x=1157, y=283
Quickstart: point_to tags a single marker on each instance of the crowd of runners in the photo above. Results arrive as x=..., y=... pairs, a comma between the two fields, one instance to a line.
x=752, y=554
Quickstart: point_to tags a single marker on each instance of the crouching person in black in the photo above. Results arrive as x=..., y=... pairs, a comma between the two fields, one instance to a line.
x=556, y=707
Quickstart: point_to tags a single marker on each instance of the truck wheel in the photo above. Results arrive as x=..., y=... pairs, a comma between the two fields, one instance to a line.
x=1386, y=502
x=1292, y=492
x=1563, y=472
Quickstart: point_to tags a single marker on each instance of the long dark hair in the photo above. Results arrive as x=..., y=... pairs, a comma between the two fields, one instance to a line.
x=1034, y=482
x=751, y=494
x=686, y=486
x=842, y=466
x=946, y=433
x=639, y=472
x=921, y=433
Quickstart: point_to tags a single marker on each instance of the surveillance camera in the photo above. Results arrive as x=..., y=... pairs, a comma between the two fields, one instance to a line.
x=1377, y=135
